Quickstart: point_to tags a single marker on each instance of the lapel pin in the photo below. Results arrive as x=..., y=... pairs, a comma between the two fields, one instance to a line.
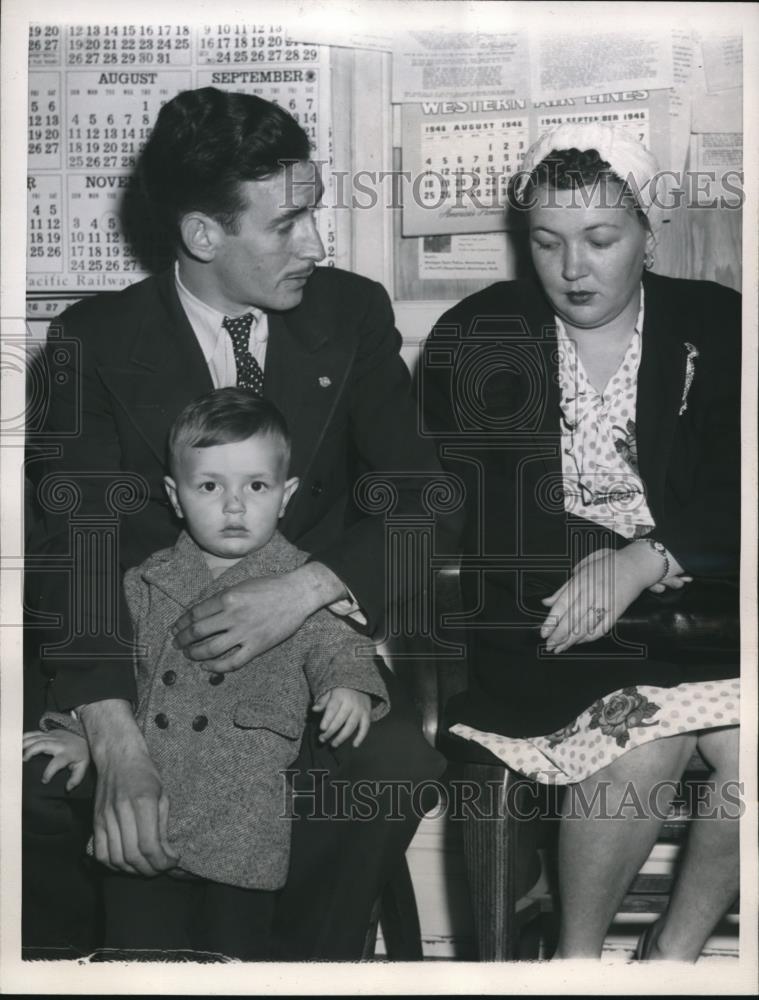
x=325, y=381
x=690, y=371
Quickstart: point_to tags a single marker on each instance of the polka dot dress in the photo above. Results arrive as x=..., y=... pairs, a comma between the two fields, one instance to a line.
x=249, y=373
x=598, y=445
x=612, y=725
x=602, y=484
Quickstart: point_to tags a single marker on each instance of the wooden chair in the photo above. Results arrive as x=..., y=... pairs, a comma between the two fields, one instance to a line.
x=500, y=853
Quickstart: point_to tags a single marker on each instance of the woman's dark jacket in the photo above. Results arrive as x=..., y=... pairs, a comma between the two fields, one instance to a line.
x=490, y=394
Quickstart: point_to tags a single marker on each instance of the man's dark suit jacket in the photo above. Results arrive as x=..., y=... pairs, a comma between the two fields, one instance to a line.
x=332, y=366
x=490, y=393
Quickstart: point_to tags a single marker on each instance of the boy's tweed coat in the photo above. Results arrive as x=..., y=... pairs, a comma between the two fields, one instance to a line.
x=221, y=741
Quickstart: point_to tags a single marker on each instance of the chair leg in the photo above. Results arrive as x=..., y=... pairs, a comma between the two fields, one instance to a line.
x=399, y=918
x=370, y=941
x=501, y=859
x=489, y=861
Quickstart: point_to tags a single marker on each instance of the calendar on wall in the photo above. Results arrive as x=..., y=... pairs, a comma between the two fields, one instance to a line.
x=94, y=93
x=459, y=156
x=467, y=167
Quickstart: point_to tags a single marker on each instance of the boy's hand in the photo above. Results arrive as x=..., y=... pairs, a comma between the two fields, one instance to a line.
x=66, y=749
x=345, y=712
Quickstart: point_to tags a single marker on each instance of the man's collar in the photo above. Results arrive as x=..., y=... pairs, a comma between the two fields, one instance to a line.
x=204, y=319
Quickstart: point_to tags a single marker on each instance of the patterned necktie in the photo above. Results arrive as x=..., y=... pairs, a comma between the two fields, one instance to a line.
x=249, y=374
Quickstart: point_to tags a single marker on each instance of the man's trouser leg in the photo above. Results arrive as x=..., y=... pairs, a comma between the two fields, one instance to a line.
x=61, y=914
x=340, y=865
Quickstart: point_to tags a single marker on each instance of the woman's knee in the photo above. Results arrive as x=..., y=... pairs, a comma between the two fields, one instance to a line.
x=638, y=772
x=719, y=748
x=660, y=759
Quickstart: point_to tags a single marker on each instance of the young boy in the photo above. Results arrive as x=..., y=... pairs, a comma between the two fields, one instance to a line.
x=222, y=740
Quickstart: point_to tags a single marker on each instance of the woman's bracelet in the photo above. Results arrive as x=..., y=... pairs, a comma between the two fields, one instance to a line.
x=660, y=550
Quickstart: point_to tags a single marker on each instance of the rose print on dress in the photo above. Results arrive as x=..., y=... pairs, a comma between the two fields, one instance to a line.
x=579, y=748
x=621, y=712
x=563, y=734
x=627, y=444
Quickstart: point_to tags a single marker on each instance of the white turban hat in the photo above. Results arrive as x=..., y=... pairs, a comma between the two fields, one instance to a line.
x=627, y=157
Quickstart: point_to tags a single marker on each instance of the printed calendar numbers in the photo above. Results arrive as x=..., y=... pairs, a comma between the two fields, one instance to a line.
x=298, y=91
x=637, y=121
x=246, y=44
x=45, y=128
x=110, y=114
x=95, y=240
x=44, y=309
x=44, y=45
x=462, y=155
x=327, y=226
x=475, y=157
x=45, y=215
x=295, y=90
x=95, y=91
x=129, y=45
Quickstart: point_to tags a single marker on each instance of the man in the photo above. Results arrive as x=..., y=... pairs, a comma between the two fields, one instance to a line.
x=244, y=304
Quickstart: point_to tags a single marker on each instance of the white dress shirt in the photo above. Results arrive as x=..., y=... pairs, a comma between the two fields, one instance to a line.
x=215, y=342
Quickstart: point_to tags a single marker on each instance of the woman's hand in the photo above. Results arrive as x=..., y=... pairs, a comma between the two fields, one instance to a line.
x=674, y=581
x=598, y=593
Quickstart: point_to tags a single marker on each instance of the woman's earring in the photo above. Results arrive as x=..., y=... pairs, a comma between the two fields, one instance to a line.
x=648, y=260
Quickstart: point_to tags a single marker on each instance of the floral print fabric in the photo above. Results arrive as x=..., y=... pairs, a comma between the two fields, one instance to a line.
x=598, y=446
x=612, y=725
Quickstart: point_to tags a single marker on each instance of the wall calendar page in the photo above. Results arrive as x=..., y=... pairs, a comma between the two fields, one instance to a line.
x=94, y=93
x=461, y=155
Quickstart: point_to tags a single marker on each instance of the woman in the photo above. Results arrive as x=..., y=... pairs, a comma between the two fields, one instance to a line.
x=593, y=414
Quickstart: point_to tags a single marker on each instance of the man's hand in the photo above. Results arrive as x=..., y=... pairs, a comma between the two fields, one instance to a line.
x=598, y=593
x=227, y=630
x=131, y=810
x=345, y=712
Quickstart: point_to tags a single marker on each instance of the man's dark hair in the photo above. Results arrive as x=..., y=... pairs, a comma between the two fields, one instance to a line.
x=571, y=169
x=226, y=416
x=205, y=143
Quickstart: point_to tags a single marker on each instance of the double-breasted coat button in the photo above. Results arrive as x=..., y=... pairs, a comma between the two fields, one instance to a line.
x=169, y=678
x=199, y=723
x=216, y=679
x=161, y=721
x=317, y=489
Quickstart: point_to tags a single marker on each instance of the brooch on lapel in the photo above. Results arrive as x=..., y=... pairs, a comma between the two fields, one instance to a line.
x=690, y=371
x=325, y=381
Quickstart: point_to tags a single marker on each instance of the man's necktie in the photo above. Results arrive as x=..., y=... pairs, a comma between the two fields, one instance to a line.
x=249, y=374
